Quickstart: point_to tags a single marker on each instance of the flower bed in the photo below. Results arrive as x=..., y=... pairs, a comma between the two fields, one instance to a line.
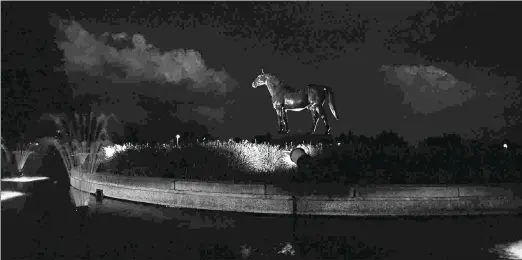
x=355, y=162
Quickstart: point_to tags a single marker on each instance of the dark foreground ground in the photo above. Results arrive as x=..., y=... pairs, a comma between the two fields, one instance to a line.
x=48, y=227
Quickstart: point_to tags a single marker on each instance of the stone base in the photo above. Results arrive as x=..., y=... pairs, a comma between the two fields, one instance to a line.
x=370, y=200
x=300, y=138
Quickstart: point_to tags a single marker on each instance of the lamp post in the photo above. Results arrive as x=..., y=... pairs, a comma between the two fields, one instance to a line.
x=177, y=140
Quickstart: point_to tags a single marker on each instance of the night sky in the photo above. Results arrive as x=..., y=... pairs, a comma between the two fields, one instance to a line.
x=417, y=68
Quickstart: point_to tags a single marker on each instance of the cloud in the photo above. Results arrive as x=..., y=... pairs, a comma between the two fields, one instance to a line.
x=210, y=117
x=119, y=65
x=216, y=114
x=429, y=89
x=125, y=58
x=485, y=101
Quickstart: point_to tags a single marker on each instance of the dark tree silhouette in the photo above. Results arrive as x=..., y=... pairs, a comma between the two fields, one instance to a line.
x=31, y=75
x=161, y=125
x=390, y=138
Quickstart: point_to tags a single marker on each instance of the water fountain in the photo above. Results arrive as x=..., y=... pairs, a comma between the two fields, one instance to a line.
x=19, y=182
x=5, y=150
x=21, y=157
x=81, y=156
x=81, y=148
x=21, y=154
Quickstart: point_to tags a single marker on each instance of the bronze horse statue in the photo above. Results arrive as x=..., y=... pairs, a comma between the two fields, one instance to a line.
x=286, y=98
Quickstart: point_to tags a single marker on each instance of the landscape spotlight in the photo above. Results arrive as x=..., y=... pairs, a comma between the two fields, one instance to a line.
x=305, y=164
x=298, y=153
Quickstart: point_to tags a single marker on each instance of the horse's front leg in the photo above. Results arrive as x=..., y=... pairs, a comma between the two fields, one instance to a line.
x=279, y=112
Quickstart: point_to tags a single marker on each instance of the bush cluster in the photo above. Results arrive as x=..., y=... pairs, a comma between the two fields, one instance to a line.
x=214, y=160
x=386, y=158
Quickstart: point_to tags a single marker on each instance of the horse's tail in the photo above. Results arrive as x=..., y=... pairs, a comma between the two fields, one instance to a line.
x=331, y=103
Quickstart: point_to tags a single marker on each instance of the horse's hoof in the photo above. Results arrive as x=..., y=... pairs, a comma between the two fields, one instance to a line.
x=327, y=132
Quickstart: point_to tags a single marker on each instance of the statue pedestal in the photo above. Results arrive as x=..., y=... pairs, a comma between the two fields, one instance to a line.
x=300, y=138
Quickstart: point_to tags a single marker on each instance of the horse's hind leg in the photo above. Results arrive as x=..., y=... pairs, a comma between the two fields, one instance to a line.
x=315, y=119
x=322, y=115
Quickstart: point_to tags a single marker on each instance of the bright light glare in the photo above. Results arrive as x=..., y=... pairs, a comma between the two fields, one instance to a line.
x=287, y=160
x=5, y=195
x=177, y=136
x=109, y=151
x=505, y=146
x=515, y=250
x=511, y=251
x=25, y=179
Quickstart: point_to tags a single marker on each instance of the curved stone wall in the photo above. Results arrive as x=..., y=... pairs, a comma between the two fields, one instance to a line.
x=374, y=200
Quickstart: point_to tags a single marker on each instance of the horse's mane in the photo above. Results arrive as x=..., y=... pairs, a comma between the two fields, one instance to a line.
x=276, y=81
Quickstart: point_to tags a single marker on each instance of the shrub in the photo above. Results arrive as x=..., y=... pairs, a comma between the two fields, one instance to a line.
x=212, y=160
x=251, y=157
x=384, y=159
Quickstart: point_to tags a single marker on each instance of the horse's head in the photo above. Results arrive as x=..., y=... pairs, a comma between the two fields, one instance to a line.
x=265, y=79
x=261, y=79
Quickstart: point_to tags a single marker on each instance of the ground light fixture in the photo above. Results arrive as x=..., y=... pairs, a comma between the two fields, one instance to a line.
x=297, y=154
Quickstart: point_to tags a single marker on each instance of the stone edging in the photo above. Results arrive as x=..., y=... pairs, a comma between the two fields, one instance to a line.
x=375, y=200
